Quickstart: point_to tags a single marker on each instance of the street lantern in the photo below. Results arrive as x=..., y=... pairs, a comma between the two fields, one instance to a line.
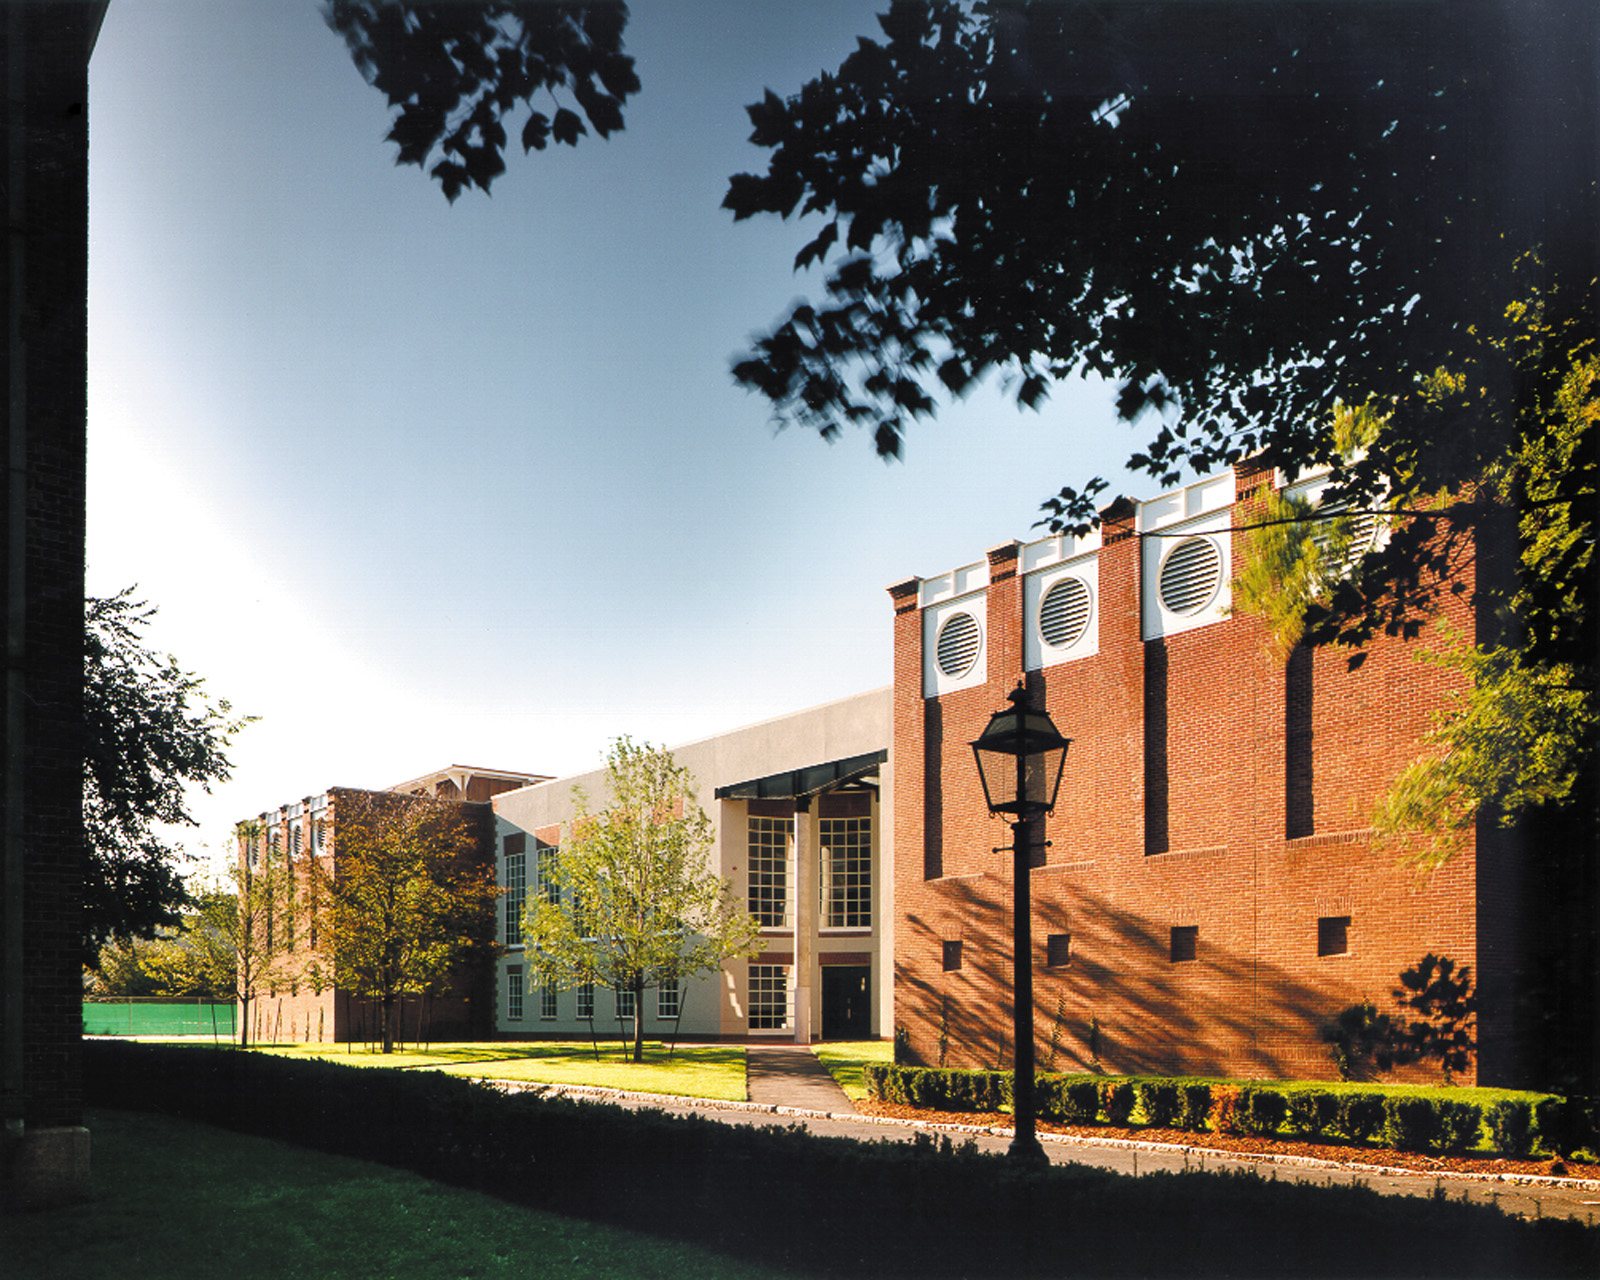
x=1020, y=756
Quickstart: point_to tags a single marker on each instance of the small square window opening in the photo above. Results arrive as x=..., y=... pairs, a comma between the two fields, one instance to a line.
x=1058, y=950
x=952, y=956
x=1333, y=936
x=1184, y=940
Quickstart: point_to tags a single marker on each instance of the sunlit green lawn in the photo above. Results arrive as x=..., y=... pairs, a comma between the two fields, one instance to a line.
x=693, y=1071
x=845, y=1058
x=187, y=1202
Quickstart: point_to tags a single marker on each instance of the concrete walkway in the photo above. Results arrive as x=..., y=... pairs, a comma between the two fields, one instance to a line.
x=791, y=1076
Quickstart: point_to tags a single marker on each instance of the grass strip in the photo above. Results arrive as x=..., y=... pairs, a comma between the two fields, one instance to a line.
x=693, y=1071
x=845, y=1058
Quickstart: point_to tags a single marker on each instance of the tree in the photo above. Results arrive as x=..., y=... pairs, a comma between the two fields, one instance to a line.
x=197, y=958
x=1235, y=212
x=150, y=730
x=454, y=72
x=256, y=928
x=406, y=900
x=1254, y=220
x=638, y=904
x=1521, y=730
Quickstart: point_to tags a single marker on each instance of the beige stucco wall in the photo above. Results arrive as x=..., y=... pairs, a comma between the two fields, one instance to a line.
x=716, y=1007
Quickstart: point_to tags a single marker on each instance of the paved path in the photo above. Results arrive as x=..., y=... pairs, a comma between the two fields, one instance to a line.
x=791, y=1076
x=786, y=1085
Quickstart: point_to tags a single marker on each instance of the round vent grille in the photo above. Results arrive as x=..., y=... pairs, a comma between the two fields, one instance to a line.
x=1190, y=576
x=958, y=644
x=1064, y=615
x=1361, y=530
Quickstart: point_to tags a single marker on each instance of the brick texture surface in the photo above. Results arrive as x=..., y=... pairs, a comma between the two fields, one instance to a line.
x=1210, y=787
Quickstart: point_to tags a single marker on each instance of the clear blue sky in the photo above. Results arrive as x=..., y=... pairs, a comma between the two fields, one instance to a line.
x=420, y=484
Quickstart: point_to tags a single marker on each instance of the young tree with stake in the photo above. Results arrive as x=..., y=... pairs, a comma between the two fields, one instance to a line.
x=638, y=905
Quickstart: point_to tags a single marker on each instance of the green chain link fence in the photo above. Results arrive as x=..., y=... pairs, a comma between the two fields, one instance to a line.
x=157, y=1016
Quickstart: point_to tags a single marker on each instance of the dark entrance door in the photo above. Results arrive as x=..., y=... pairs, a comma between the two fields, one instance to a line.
x=846, y=1002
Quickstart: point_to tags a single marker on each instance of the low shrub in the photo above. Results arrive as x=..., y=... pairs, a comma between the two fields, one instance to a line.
x=1225, y=1110
x=883, y=1082
x=938, y=1090
x=1409, y=1123
x=1261, y=1111
x=1070, y=1099
x=1159, y=1100
x=1117, y=1101
x=1194, y=1107
x=1361, y=1116
x=1511, y=1127
x=1460, y=1124
x=1312, y=1112
x=1567, y=1125
x=1424, y=1123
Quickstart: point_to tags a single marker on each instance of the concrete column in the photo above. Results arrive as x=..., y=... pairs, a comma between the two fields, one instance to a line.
x=805, y=913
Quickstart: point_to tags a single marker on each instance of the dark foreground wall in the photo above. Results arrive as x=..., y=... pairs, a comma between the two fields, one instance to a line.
x=44, y=58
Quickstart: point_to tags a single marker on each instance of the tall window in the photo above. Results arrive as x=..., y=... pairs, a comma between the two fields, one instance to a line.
x=668, y=999
x=548, y=889
x=547, y=1003
x=516, y=888
x=768, y=858
x=625, y=1005
x=846, y=873
x=586, y=1002
x=769, y=997
x=514, y=993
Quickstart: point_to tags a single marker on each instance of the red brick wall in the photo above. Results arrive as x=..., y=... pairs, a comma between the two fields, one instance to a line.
x=292, y=1010
x=1206, y=708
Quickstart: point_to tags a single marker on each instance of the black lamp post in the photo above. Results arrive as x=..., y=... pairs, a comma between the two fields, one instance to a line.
x=1020, y=757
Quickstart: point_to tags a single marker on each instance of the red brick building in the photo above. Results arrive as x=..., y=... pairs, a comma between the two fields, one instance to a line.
x=298, y=1005
x=1210, y=896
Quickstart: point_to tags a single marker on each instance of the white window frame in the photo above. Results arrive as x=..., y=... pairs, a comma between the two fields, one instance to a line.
x=772, y=862
x=845, y=853
x=767, y=981
x=516, y=895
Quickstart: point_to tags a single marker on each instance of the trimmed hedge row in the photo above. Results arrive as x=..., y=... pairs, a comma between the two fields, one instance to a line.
x=829, y=1206
x=1407, y=1121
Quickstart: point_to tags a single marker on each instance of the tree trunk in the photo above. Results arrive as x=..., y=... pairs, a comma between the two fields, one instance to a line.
x=244, y=1022
x=638, y=1020
x=387, y=1017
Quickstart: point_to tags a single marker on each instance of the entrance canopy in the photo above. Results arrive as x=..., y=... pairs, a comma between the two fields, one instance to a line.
x=810, y=781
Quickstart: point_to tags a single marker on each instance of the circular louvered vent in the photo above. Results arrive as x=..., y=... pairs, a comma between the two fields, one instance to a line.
x=958, y=644
x=1064, y=615
x=1190, y=576
x=1360, y=532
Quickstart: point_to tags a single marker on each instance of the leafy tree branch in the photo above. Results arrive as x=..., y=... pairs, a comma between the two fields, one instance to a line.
x=150, y=730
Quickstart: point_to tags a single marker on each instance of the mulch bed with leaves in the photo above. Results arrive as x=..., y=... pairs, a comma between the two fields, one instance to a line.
x=1331, y=1149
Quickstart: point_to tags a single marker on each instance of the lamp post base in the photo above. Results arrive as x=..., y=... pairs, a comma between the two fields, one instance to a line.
x=1026, y=1150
